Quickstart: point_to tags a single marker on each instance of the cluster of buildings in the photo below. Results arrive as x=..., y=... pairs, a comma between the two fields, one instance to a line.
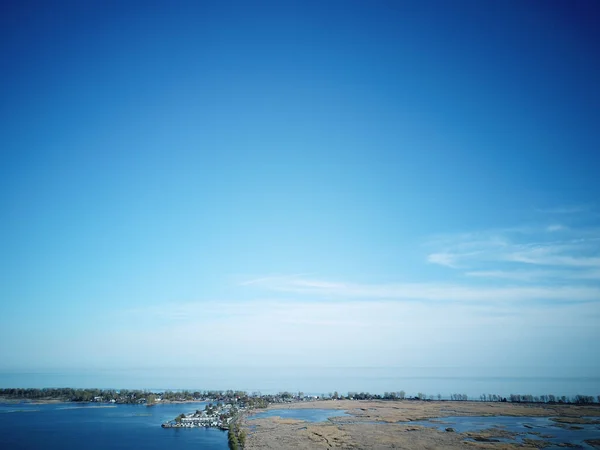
x=218, y=416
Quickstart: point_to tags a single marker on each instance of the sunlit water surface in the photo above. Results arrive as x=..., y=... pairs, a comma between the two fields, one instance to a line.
x=90, y=426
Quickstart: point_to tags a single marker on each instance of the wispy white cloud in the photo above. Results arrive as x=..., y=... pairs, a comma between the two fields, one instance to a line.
x=378, y=331
x=503, y=287
x=263, y=278
x=555, y=227
x=551, y=256
x=443, y=259
x=591, y=274
x=351, y=312
x=520, y=275
x=536, y=275
x=432, y=291
x=523, y=261
x=505, y=253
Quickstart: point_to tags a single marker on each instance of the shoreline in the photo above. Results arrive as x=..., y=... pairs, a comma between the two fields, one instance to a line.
x=49, y=401
x=55, y=401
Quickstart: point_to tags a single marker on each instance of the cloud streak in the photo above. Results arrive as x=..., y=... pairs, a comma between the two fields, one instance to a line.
x=438, y=292
x=526, y=254
x=378, y=332
x=522, y=264
x=538, y=285
x=555, y=227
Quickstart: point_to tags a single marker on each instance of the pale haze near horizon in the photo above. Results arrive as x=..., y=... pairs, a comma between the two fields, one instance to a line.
x=325, y=184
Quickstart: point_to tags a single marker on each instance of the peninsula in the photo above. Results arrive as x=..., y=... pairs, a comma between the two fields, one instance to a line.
x=364, y=420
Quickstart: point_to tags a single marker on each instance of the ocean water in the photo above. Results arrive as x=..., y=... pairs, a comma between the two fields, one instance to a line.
x=87, y=426
x=324, y=380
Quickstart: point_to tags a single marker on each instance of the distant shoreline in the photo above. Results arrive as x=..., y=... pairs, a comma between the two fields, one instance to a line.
x=34, y=402
x=56, y=401
x=258, y=400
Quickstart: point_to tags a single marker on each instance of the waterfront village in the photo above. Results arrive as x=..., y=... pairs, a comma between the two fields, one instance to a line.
x=222, y=413
x=225, y=406
x=218, y=415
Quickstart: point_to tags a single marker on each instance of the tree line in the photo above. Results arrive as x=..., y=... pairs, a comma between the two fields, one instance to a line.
x=258, y=400
x=103, y=395
x=236, y=438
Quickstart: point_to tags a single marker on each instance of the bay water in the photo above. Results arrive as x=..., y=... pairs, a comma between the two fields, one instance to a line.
x=93, y=427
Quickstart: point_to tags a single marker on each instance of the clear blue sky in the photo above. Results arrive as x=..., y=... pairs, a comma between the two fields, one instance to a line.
x=258, y=178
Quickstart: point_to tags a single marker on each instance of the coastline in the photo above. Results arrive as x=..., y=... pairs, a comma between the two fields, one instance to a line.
x=10, y=401
x=51, y=401
x=386, y=424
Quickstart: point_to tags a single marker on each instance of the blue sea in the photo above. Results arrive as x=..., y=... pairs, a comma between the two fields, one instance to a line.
x=91, y=426
x=322, y=380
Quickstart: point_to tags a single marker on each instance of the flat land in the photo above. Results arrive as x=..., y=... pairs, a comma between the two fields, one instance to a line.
x=387, y=425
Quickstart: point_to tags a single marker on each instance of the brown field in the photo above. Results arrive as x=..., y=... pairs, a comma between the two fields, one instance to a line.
x=374, y=425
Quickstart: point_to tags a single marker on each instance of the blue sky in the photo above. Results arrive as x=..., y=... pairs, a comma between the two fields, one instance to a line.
x=279, y=182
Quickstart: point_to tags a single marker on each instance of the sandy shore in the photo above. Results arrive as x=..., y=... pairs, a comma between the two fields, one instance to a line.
x=374, y=425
